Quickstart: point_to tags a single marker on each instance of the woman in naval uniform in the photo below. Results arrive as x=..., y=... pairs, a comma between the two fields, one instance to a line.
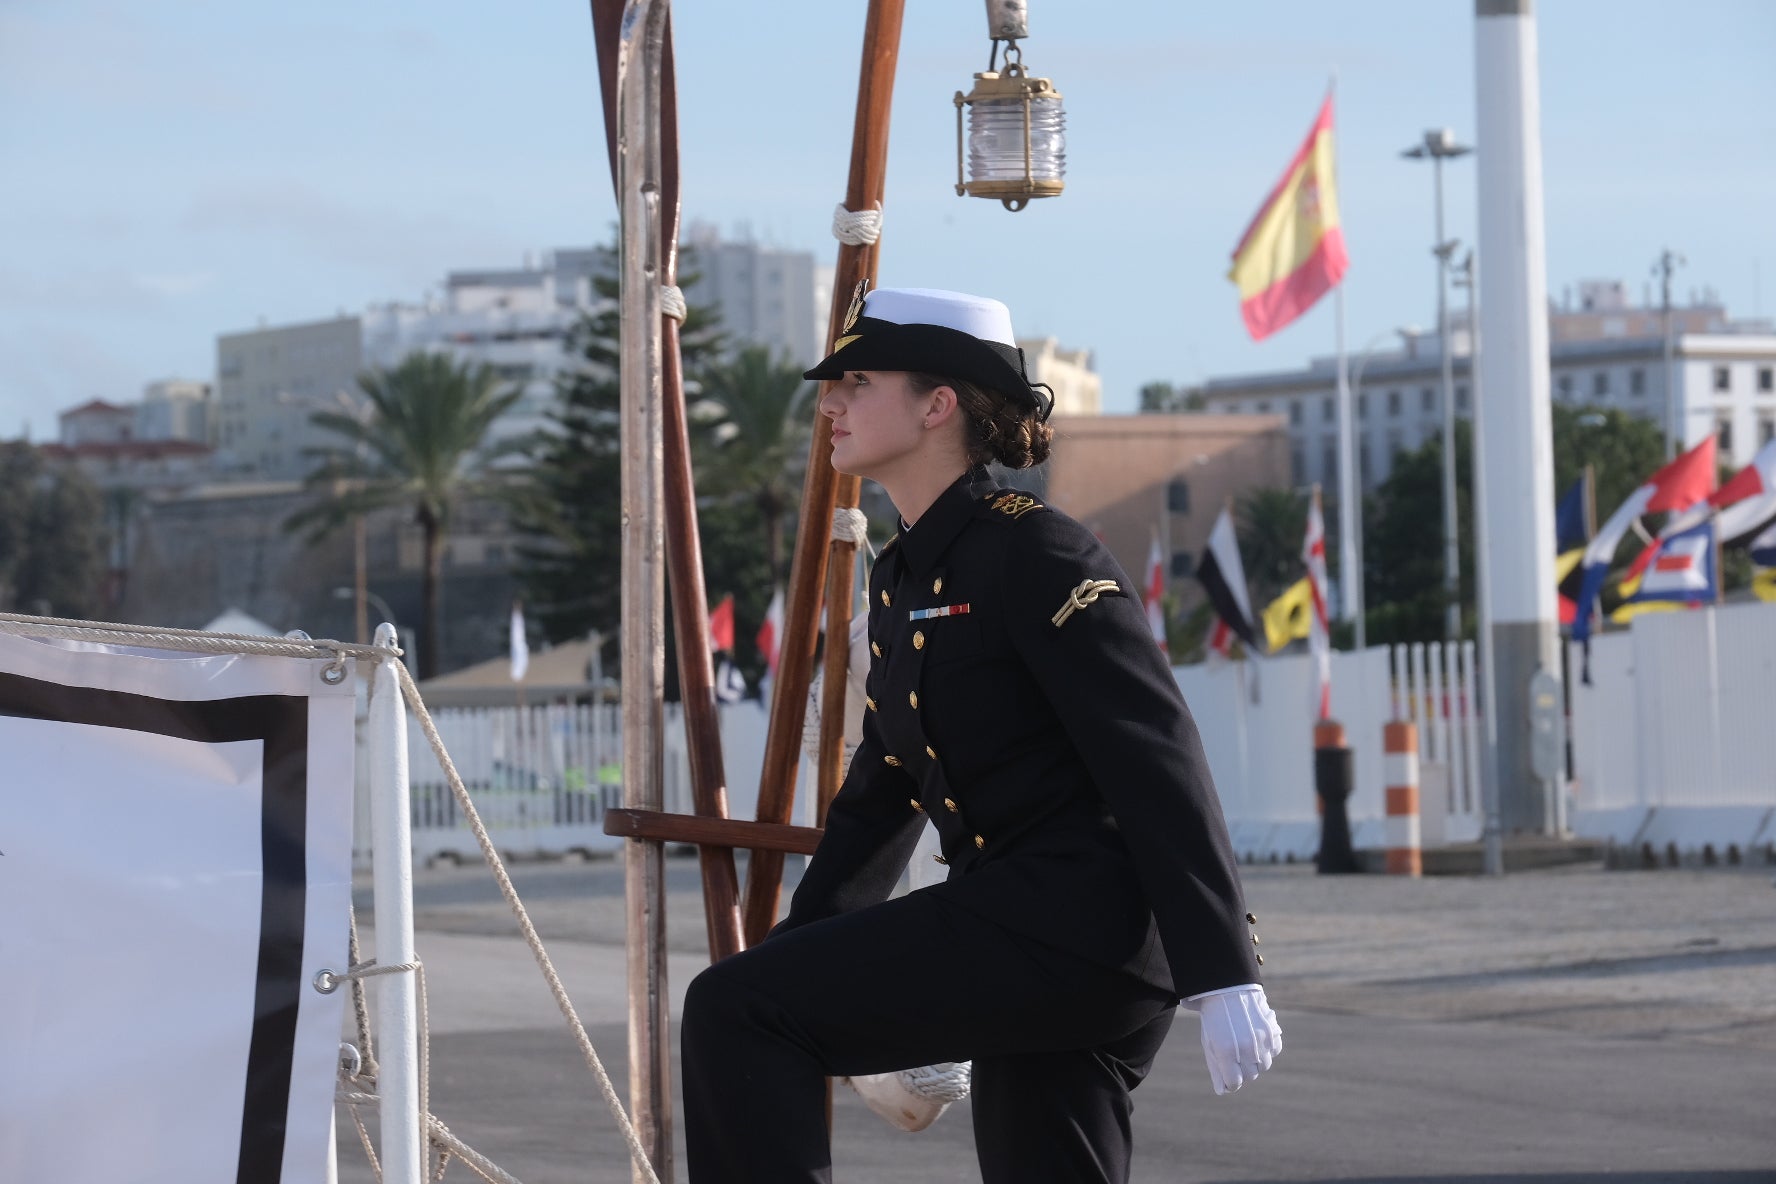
x=1016, y=700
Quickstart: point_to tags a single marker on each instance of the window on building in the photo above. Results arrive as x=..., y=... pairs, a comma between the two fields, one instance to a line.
x=1637, y=381
x=1723, y=378
x=1183, y=565
x=1328, y=464
x=1396, y=442
x=1766, y=379
x=1178, y=496
x=1393, y=402
x=1723, y=434
x=1461, y=398
x=1564, y=385
x=1297, y=466
x=1328, y=410
x=1427, y=399
x=1295, y=411
x=1263, y=407
x=1766, y=429
x=1600, y=383
x=1362, y=406
x=1364, y=468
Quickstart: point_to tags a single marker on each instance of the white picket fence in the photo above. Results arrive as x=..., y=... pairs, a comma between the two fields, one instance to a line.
x=1670, y=748
x=543, y=777
x=1672, y=737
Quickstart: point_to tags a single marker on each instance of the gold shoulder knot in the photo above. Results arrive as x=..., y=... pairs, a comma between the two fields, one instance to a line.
x=1014, y=504
x=1083, y=597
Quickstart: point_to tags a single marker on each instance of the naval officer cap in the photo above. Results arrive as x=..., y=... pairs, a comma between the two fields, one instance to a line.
x=930, y=331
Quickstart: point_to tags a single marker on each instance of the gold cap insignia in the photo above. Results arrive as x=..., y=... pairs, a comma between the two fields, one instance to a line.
x=846, y=337
x=856, y=309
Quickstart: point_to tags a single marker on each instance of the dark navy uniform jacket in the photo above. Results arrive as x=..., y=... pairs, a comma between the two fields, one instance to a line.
x=1058, y=761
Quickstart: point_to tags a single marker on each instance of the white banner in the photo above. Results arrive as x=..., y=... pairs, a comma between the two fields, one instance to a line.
x=175, y=868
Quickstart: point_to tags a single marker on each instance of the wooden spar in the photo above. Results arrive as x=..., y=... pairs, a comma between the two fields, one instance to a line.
x=684, y=558
x=640, y=52
x=684, y=569
x=841, y=566
x=864, y=188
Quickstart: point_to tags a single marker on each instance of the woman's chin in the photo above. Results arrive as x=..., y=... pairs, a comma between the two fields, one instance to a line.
x=842, y=460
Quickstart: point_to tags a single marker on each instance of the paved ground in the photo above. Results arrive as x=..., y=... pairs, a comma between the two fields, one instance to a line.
x=1561, y=1027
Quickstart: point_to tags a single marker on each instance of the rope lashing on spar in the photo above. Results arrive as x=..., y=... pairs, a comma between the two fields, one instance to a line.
x=857, y=228
x=672, y=302
x=849, y=525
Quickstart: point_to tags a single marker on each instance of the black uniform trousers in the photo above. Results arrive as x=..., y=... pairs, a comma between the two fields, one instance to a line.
x=1057, y=1043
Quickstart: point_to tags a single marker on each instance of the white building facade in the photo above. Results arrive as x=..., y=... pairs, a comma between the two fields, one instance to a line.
x=1610, y=357
x=518, y=321
x=269, y=383
x=1078, y=390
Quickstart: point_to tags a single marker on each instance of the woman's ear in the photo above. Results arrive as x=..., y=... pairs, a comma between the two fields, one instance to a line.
x=940, y=406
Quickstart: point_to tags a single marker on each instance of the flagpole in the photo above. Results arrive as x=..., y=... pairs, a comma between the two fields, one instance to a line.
x=1350, y=519
x=1350, y=527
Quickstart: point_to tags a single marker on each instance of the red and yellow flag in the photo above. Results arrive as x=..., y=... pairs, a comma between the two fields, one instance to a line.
x=1293, y=251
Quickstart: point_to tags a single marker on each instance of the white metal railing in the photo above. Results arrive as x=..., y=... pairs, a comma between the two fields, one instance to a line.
x=544, y=776
x=1434, y=688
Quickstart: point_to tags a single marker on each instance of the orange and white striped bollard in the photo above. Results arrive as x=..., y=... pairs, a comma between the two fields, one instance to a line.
x=1400, y=764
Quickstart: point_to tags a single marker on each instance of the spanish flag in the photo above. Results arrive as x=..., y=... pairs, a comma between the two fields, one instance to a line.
x=1293, y=252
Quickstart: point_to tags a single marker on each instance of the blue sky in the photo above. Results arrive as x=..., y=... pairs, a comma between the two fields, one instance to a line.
x=181, y=169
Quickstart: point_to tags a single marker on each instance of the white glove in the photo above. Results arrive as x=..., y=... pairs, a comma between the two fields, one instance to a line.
x=1239, y=1034
x=912, y=1099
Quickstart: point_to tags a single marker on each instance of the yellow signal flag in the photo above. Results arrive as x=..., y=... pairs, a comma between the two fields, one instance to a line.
x=1289, y=616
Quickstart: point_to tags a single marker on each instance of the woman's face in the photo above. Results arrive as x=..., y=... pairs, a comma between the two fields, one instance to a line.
x=878, y=423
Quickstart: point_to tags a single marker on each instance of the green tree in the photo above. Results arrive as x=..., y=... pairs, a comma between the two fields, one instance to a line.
x=755, y=443
x=1403, y=553
x=1623, y=451
x=567, y=512
x=52, y=545
x=1270, y=525
x=1403, y=529
x=1166, y=396
x=423, y=443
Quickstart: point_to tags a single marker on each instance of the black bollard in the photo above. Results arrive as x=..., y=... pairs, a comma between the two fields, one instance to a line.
x=1333, y=778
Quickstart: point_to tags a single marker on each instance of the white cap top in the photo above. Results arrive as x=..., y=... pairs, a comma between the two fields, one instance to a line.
x=977, y=316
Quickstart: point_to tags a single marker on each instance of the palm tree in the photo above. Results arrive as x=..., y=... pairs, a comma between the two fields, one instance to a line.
x=1271, y=524
x=756, y=440
x=422, y=443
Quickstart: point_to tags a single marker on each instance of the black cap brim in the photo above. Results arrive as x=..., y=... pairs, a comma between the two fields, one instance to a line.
x=933, y=349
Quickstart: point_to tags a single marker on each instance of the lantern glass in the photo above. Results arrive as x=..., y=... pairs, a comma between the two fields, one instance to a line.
x=996, y=140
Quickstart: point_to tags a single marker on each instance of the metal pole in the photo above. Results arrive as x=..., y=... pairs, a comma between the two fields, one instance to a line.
x=1451, y=542
x=643, y=573
x=1512, y=260
x=1350, y=490
x=392, y=872
x=1492, y=832
x=1674, y=433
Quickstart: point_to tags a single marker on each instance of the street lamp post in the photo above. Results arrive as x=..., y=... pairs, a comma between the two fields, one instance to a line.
x=1676, y=430
x=1439, y=144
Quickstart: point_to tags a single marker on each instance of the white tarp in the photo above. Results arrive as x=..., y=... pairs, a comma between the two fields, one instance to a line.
x=175, y=867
